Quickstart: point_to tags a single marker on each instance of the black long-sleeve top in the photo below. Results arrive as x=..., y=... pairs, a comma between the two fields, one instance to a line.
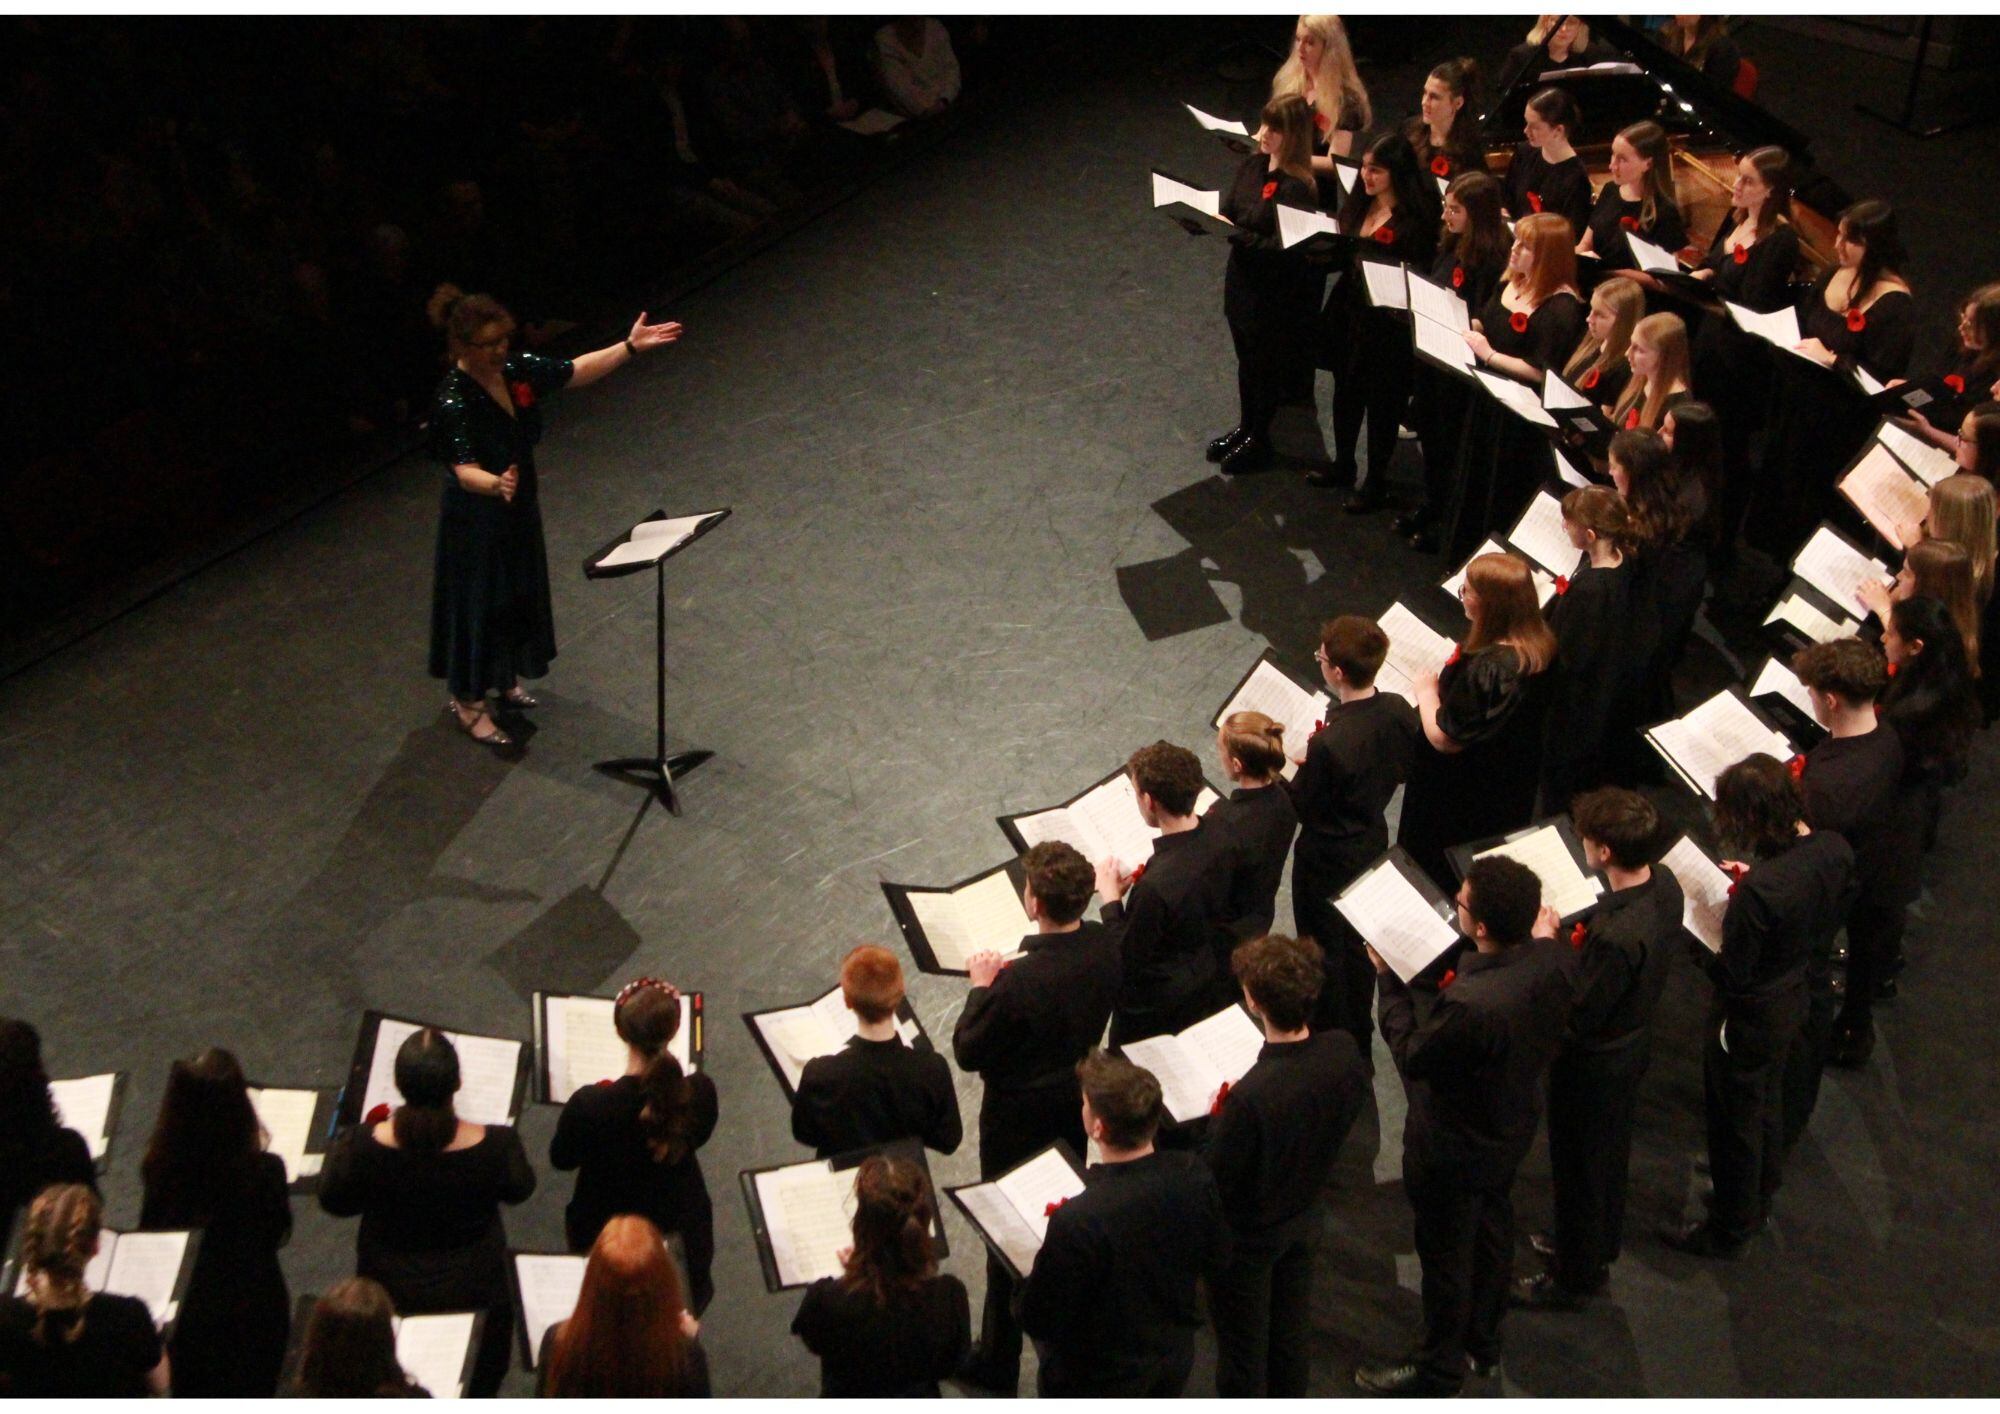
x=1553, y=329
x=899, y=1349
x=1263, y=278
x=1781, y=912
x=1112, y=1292
x=1042, y=1014
x=1474, y=283
x=1762, y=279
x=1628, y=943
x=1600, y=667
x=1882, y=343
x=1445, y=162
x=1353, y=765
x=1171, y=928
x=1260, y=823
x=1612, y=217
x=1535, y=184
x=875, y=1092
x=1852, y=787
x=1473, y=1068
x=1281, y=1127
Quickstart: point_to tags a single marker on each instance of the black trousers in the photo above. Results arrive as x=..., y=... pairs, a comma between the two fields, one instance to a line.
x=1347, y=995
x=1743, y=1090
x=1373, y=383
x=1014, y=1126
x=1273, y=361
x=1874, y=953
x=1440, y=413
x=1262, y=1309
x=1465, y=1244
x=1805, y=1064
x=1592, y=1098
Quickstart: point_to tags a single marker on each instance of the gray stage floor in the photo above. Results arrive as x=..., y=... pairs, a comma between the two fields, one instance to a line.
x=976, y=558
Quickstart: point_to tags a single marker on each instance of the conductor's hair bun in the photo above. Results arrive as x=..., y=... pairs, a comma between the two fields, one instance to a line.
x=444, y=299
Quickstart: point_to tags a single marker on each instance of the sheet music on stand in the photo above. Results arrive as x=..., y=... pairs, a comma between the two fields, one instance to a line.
x=1269, y=689
x=1806, y=618
x=1704, y=891
x=1386, y=284
x=1518, y=398
x=577, y=1044
x=1171, y=191
x=1011, y=1213
x=1715, y=736
x=1438, y=304
x=492, y=1071
x=945, y=926
x=1400, y=913
x=1224, y=128
x=437, y=1349
x=1193, y=1065
x=151, y=1266
x=1539, y=535
x=1837, y=568
x=1545, y=583
x=1929, y=464
x=655, y=538
x=1792, y=705
x=1416, y=651
x=90, y=1105
x=802, y=1215
x=296, y=1121
x=1887, y=493
x=1440, y=345
x=791, y=1036
x=1103, y=822
x=1552, y=852
x=1296, y=226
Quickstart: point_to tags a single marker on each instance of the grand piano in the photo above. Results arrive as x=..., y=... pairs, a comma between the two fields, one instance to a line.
x=1708, y=127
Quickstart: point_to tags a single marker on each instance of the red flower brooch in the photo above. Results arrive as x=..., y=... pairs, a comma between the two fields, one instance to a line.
x=1562, y=585
x=1449, y=977
x=1857, y=320
x=1741, y=255
x=1631, y=418
x=1050, y=1210
x=1518, y=322
x=1137, y=875
x=1535, y=201
x=1954, y=382
x=1590, y=379
x=1270, y=190
x=1215, y=1105
x=1797, y=766
x=1322, y=122
x=1385, y=235
x=1890, y=669
x=1735, y=873
x=1456, y=650
x=1458, y=277
x=1440, y=166
x=1577, y=933
x=1630, y=223
x=378, y=1115
x=523, y=394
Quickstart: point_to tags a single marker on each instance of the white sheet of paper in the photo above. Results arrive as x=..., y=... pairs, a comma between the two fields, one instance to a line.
x=1346, y=174
x=873, y=123
x=1444, y=344
x=652, y=539
x=487, y=1066
x=1167, y=191
x=1887, y=495
x=809, y=1215
x=432, y=1350
x=1605, y=69
x=1295, y=225
x=1567, y=469
x=1559, y=395
x=1416, y=650
x=1779, y=328
x=1003, y=1224
x=1776, y=678
x=985, y=916
x=549, y=1287
x=1539, y=535
x=1808, y=620
x=1714, y=737
x=1838, y=570
x=581, y=1036
x=1396, y=920
x=1229, y=1039
x=287, y=1116
x=1271, y=692
x=84, y=1105
x=1387, y=287
x=1651, y=257
x=1565, y=887
x=1215, y=124
x=1704, y=891
x=1517, y=398
x=148, y=1265
x=1545, y=584
x=1188, y=1083
x=1930, y=464
x=1438, y=304
x=1047, y=1178
x=1869, y=383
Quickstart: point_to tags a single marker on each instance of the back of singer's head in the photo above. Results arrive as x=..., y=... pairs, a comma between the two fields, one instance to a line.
x=1758, y=805
x=893, y=1214
x=58, y=1239
x=1282, y=976
x=27, y=1113
x=350, y=1344
x=1122, y=1097
x=1501, y=898
x=1603, y=512
x=1846, y=668
x=207, y=1137
x=427, y=1075
x=1255, y=743
x=1061, y=880
x=872, y=982
x=1624, y=822
x=624, y=1339
x=1504, y=608
x=1168, y=773
x=1355, y=645
x=647, y=1015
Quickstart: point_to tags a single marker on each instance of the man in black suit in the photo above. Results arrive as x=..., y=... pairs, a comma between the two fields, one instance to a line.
x=1111, y=1300
x=1025, y=1026
x=1473, y=1070
x=1173, y=929
x=877, y=1089
x=1272, y=1146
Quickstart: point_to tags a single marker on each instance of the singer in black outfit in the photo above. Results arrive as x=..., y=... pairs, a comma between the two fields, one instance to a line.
x=1546, y=174
x=1784, y=908
x=1594, y=713
x=1473, y=1068
x=36, y=1150
x=1259, y=820
x=1625, y=948
x=1445, y=131
x=1353, y=764
x=1637, y=200
x=877, y=1089
x=1269, y=293
x=1392, y=212
x=1272, y=1148
x=1025, y=1027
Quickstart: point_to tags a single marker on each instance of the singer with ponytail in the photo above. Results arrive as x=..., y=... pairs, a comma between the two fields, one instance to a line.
x=1258, y=820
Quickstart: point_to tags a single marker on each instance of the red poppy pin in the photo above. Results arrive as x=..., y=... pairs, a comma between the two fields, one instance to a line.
x=1735, y=873
x=1518, y=322
x=523, y=394
x=1385, y=235
x=1890, y=669
x=1562, y=585
x=1590, y=378
x=1458, y=277
x=1320, y=725
x=1215, y=1105
x=1857, y=320
x=1440, y=166
x=1741, y=255
x=1631, y=418
x=1322, y=122
x=1456, y=649
x=1137, y=875
x=378, y=1115
x=1577, y=933
x=605, y=1081
x=1954, y=382
x=1630, y=223
x=1797, y=766
x=1449, y=977
x=1050, y=1210
x=1270, y=190
x=1535, y=201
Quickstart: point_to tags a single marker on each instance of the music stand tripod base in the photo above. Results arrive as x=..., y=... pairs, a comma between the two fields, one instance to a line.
x=656, y=775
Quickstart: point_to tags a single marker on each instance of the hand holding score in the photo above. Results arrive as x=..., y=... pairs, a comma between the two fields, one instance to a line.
x=1816, y=351
x=983, y=968
x=1110, y=879
x=1381, y=967
x=1546, y=923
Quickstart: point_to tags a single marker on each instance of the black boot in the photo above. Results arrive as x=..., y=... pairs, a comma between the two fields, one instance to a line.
x=1251, y=454
x=1225, y=444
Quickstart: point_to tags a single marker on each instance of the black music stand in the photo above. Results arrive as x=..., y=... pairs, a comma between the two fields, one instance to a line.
x=655, y=772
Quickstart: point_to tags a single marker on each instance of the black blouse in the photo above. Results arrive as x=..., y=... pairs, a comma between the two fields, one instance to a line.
x=900, y=1349
x=1536, y=184
x=1762, y=278
x=1474, y=284
x=1879, y=338
x=1444, y=162
x=1261, y=271
x=1479, y=693
x=1544, y=339
x=110, y=1358
x=1613, y=216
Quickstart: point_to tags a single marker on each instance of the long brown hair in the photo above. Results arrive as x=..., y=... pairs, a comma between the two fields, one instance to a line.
x=1649, y=140
x=1483, y=243
x=57, y=1243
x=1983, y=306
x=624, y=1340
x=205, y=1143
x=1774, y=168
x=1291, y=118
x=647, y=1018
x=350, y=1345
x=1668, y=337
x=1627, y=303
x=1603, y=510
x=892, y=1229
x=1507, y=610
x=1942, y=570
x=1551, y=240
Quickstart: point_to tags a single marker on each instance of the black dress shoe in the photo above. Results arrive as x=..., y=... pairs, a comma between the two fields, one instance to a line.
x=1543, y=1244
x=1410, y=1381
x=1543, y=1292
x=1851, y=1046
x=1700, y=1239
x=1362, y=503
x=1225, y=444
x=1250, y=454
x=1338, y=476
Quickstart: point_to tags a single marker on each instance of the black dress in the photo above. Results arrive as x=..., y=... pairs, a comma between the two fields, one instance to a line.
x=1535, y=184
x=33, y=1162
x=1502, y=460
x=109, y=1359
x=899, y=1349
x=1595, y=699
x=1496, y=713
x=1269, y=294
x=599, y=1136
x=1442, y=402
x=1672, y=576
x=491, y=616
x=1612, y=218
x=1732, y=369
x=1375, y=364
x=1451, y=160
x=236, y=1317
x=431, y=1230
x=1820, y=421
